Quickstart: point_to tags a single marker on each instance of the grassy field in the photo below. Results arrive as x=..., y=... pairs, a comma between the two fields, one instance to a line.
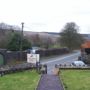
x=76, y=79
x=26, y=80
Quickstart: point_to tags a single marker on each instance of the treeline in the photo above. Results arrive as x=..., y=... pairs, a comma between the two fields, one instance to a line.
x=69, y=37
x=35, y=40
x=7, y=34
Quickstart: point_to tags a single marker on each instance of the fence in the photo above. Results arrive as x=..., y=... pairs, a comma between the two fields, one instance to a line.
x=49, y=52
x=68, y=67
x=11, y=57
x=14, y=56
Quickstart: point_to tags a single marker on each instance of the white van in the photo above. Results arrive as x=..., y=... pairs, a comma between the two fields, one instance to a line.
x=78, y=63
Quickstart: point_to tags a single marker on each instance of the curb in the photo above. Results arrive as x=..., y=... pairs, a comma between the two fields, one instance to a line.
x=38, y=82
x=62, y=83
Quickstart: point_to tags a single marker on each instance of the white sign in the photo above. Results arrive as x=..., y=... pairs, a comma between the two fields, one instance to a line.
x=32, y=58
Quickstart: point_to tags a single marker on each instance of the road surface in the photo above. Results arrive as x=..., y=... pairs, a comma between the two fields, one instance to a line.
x=66, y=59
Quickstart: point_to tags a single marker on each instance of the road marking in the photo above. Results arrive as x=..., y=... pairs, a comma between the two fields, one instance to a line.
x=61, y=58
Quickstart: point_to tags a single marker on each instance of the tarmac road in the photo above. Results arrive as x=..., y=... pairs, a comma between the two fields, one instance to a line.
x=65, y=59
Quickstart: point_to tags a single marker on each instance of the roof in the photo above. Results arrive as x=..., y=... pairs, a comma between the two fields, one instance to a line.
x=86, y=44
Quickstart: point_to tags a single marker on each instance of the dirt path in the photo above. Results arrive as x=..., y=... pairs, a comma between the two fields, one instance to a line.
x=50, y=82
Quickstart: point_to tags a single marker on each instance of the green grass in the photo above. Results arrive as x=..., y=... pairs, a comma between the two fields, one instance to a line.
x=26, y=80
x=76, y=79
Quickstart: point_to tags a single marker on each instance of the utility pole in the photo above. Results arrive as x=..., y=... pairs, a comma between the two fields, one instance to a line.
x=21, y=40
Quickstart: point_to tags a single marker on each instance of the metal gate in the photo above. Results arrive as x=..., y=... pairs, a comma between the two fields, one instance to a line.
x=1, y=59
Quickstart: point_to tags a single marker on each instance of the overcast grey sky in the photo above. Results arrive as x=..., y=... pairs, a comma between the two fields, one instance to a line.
x=46, y=15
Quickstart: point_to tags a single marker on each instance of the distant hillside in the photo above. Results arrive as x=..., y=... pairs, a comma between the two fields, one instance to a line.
x=86, y=36
x=54, y=35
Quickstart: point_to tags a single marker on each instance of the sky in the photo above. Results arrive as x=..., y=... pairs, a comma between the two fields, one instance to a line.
x=46, y=15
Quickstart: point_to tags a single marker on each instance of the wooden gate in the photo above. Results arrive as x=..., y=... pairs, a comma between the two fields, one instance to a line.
x=1, y=59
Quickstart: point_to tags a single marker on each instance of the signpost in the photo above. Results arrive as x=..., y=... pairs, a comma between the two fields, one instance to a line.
x=33, y=58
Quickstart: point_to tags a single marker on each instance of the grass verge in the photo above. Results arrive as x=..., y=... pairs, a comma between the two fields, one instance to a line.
x=26, y=80
x=76, y=79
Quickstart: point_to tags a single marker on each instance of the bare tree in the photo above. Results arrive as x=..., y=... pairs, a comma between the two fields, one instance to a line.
x=70, y=37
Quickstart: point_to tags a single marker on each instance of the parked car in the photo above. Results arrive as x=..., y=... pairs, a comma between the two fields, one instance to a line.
x=78, y=63
x=32, y=50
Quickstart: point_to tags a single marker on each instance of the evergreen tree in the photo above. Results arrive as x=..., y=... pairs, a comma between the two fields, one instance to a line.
x=14, y=43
